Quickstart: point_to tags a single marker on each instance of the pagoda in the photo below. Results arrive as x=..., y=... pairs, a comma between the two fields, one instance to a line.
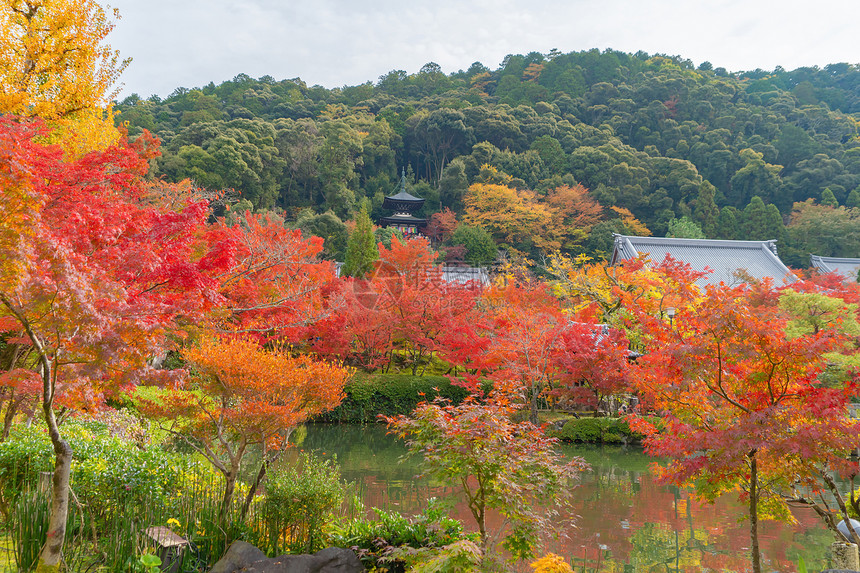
x=403, y=204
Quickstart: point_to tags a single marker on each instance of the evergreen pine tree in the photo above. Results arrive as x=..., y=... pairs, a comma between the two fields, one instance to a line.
x=727, y=224
x=361, y=248
x=774, y=228
x=828, y=198
x=853, y=200
x=753, y=226
x=707, y=213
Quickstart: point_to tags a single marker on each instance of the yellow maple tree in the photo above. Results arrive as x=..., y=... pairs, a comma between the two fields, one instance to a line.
x=512, y=217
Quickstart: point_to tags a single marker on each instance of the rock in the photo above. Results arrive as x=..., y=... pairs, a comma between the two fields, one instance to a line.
x=331, y=560
x=240, y=554
x=845, y=555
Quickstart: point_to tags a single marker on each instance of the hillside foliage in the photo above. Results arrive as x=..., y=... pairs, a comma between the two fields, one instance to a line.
x=649, y=134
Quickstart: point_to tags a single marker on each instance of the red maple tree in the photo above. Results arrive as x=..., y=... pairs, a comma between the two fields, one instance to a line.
x=94, y=278
x=743, y=405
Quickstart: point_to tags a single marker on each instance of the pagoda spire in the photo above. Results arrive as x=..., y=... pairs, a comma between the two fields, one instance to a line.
x=403, y=204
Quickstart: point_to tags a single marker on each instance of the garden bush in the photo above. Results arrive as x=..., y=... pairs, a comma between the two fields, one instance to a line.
x=370, y=395
x=25, y=453
x=118, y=490
x=300, y=502
x=376, y=540
x=597, y=431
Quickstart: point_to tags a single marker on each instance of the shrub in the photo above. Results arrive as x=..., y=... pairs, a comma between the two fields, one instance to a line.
x=369, y=396
x=551, y=563
x=374, y=540
x=300, y=503
x=597, y=431
x=23, y=455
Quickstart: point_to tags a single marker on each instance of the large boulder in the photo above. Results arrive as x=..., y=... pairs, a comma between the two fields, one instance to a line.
x=243, y=557
x=240, y=554
x=330, y=560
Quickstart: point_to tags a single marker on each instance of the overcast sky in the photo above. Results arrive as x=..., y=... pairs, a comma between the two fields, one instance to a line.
x=188, y=43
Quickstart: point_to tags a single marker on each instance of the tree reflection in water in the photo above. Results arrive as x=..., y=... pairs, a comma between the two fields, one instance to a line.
x=625, y=521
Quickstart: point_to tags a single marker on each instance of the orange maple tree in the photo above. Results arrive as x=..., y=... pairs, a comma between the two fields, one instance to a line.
x=240, y=395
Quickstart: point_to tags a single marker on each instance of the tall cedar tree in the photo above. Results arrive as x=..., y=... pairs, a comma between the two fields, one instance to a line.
x=361, y=249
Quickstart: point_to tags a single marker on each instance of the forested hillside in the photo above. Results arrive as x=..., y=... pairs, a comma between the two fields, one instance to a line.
x=545, y=152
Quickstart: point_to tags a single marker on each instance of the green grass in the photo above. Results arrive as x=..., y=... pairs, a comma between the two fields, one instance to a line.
x=7, y=561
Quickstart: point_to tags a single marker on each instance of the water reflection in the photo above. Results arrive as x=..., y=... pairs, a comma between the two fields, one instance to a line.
x=624, y=521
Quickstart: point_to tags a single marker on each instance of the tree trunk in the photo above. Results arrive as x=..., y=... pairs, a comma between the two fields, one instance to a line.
x=753, y=510
x=229, y=488
x=52, y=552
x=246, y=505
x=533, y=409
x=11, y=410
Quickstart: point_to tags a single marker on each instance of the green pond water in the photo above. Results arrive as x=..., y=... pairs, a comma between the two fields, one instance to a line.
x=625, y=521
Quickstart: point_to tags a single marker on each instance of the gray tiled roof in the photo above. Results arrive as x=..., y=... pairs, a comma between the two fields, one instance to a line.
x=846, y=267
x=463, y=275
x=451, y=274
x=758, y=259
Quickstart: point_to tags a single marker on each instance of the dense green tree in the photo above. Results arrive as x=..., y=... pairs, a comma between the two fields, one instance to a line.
x=339, y=156
x=794, y=144
x=824, y=230
x=453, y=185
x=551, y=152
x=438, y=136
x=727, y=224
x=361, y=248
x=756, y=178
x=828, y=198
x=329, y=227
x=707, y=213
x=685, y=228
x=479, y=245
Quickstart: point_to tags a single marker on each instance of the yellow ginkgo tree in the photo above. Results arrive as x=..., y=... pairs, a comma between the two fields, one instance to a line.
x=55, y=64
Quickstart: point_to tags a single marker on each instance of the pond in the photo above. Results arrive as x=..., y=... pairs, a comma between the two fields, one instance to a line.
x=625, y=523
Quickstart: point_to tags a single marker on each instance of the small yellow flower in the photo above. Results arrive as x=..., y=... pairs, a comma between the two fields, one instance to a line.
x=173, y=523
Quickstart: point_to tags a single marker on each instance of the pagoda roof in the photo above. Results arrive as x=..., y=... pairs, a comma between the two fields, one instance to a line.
x=397, y=219
x=402, y=197
x=846, y=267
x=726, y=259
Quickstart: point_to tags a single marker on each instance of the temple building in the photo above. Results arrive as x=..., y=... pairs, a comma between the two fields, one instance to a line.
x=729, y=262
x=403, y=204
x=846, y=267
